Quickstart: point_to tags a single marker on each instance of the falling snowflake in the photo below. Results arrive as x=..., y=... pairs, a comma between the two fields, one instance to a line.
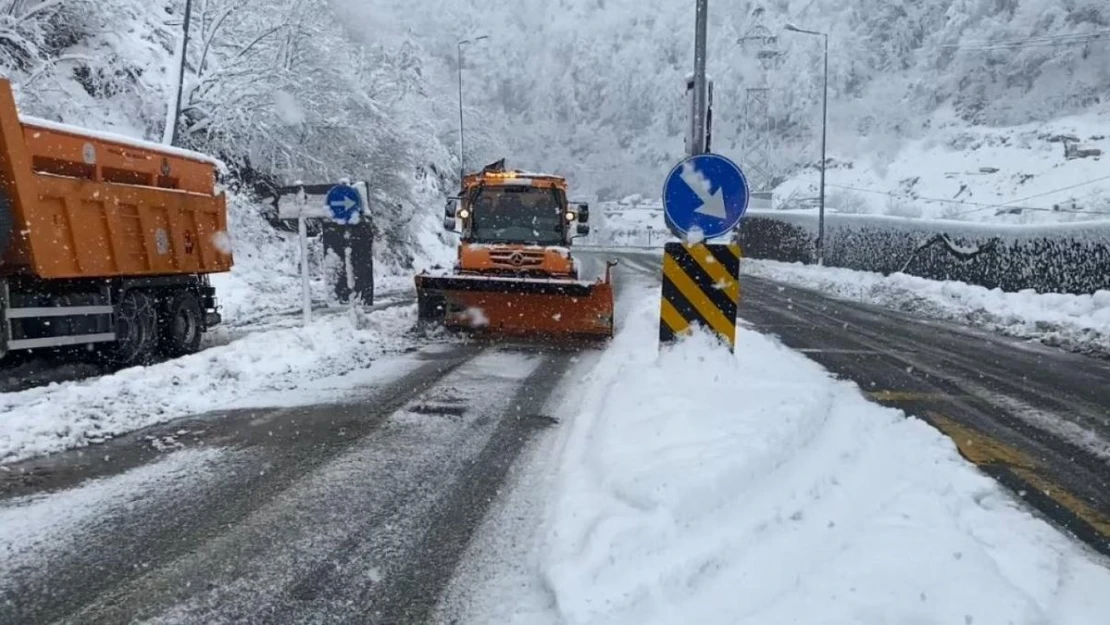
x=222, y=241
x=477, y=317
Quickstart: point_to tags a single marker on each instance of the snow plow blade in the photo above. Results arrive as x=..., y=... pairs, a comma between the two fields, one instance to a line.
x=544, y=310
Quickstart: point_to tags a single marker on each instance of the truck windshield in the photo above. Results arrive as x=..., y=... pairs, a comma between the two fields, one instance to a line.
x=517, y=215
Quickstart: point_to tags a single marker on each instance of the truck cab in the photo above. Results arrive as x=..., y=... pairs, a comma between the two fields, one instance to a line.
x=516, y=223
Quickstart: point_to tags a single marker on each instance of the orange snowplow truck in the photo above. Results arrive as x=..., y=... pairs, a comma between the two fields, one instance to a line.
x=106, y=242
x=514, y=275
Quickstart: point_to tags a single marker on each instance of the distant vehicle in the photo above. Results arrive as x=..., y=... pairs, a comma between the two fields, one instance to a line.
x=515, y=276
x=105, y=242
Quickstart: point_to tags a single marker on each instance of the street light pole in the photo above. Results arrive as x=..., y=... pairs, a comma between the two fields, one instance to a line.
x=171, y=132
x=701, y=28
x=824, y=136
x=462, y=144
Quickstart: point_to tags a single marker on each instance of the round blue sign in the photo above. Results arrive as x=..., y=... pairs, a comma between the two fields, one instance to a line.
x=345, y=204
x=707, y=192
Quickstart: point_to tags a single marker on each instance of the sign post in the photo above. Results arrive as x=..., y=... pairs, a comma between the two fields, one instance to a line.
x=345, y=203
x=302, y=236
x=704, y=197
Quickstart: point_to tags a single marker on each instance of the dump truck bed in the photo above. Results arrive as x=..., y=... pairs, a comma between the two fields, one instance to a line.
x=88, y=205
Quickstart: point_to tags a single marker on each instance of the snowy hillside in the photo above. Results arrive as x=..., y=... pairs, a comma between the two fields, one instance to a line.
x=593, y=88
x=1026, y=174
x=270, y=87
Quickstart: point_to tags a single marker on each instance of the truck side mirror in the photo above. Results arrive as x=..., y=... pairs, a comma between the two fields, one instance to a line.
x=449, y=223
x=583, y=229
x=450, y=209
x=583, y=213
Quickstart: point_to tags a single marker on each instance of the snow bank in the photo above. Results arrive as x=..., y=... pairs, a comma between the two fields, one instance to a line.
x=74, y=414
x=696, y=488
x=1076, y=322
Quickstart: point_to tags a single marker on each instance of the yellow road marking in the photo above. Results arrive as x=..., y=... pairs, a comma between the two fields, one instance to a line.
x=890, y=395
x=1092, y=517
x=698, y=300
x=985, y=451
x=980, y=448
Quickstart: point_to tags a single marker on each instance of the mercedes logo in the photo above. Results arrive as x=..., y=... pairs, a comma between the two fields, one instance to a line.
x=517, y=258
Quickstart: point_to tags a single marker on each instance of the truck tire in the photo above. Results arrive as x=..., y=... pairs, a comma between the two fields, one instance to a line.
x=136, y=330
x=180, y=326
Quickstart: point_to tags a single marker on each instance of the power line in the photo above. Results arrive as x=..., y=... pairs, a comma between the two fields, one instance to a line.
x=910, y=196
x=1010, y=204
x=1037, y=195
x=1025, y=40
x=1033, y=43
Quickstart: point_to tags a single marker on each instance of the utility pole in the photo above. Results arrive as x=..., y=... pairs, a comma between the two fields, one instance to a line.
x=173, y=132
x=757, y=131
x=824, y=135
x=462, y=143
x=701, y=28
x=824, y=158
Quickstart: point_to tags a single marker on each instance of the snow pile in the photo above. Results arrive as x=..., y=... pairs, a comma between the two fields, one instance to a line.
x=61, y=416
x=1076, y=322
x=632, y=222
x=265, y=276
x=696, y=488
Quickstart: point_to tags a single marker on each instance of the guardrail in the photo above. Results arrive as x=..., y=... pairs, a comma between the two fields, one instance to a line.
x=1056, y=258
x=1050, y=258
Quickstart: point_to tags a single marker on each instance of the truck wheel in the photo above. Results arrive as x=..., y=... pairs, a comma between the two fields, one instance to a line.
x=136, y=330
x=181, y=324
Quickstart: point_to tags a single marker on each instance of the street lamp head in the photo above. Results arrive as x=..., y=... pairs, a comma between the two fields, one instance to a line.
x=794, y=29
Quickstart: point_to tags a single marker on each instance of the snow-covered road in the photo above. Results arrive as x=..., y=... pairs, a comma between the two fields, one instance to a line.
x=696, y=486
x=350, y=511
x=688, y=485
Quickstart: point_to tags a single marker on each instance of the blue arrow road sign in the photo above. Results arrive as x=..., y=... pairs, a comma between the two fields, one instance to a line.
x=707, y=192
x=345, y=203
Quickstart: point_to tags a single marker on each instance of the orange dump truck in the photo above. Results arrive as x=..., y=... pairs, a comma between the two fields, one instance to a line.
x=105, y=241
x=515, y=276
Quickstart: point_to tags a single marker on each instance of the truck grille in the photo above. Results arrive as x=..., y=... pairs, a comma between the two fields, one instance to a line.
x=516, y=258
